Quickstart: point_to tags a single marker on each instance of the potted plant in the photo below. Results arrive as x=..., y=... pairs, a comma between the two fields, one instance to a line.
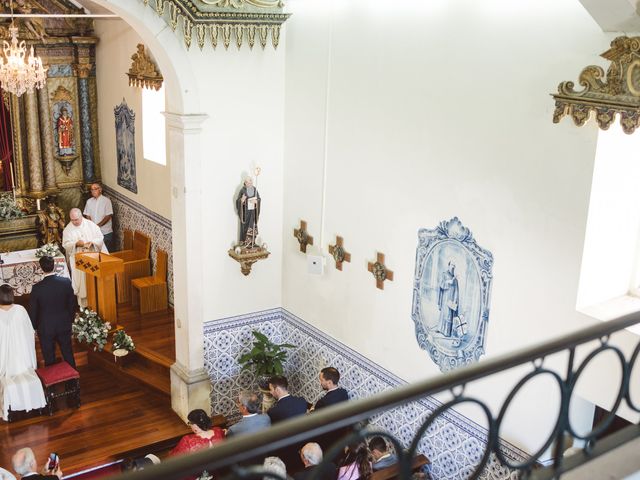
x=89, y=327
x=265, y=358
x=122, y=344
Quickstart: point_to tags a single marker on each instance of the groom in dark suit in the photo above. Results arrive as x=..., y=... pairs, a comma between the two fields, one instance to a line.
x=52, y=307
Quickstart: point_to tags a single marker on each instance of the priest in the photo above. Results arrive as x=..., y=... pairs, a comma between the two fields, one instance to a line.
x=81, y=236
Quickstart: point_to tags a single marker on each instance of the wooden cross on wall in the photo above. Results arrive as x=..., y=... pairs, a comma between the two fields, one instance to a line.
x=302, y=236
x=380, y=271
x=338, y=253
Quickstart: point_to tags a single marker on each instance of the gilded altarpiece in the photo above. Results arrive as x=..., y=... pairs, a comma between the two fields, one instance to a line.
x=55, y=129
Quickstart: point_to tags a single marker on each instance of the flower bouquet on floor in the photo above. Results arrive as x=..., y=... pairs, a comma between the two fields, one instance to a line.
x=90, y=328
x=122, y=344
x=48, y=250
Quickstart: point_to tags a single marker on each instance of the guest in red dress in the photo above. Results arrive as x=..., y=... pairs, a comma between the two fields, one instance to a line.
x=204, y=435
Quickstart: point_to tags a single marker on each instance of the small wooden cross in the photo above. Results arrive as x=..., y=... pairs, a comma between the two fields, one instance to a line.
x=302, y=236
x=339, y=253
x=380, y=271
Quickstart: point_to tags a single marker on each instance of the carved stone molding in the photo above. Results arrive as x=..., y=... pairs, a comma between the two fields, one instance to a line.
x=616, y=92
x=220, y=20
x=143, y=72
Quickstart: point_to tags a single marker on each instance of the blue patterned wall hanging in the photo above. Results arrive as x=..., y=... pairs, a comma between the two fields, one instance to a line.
x=451, y=293
x=126, y=146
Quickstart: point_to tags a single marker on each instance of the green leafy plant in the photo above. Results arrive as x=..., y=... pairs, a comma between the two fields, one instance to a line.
x=265, y=358
x=89, y=327
x=8, y=207
x=122, y=341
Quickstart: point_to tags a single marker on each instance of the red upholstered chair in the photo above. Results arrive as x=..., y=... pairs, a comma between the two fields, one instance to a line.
x=60, y=372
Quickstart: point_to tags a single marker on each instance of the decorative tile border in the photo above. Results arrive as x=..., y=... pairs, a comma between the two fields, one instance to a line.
x=453, y=443
x=128, y=214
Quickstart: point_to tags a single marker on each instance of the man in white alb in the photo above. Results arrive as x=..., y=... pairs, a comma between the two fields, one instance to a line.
x=80, y=236
x=100, y=211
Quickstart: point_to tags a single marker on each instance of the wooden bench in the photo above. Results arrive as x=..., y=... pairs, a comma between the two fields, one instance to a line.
x=393, y=471
x=136, y=262
x=151, y=292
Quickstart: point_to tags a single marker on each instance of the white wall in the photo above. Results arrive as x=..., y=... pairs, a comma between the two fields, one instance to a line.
x=117, y=43
x=399, y=118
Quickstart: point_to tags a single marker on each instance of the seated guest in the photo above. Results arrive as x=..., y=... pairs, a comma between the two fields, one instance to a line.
x=276, y=466
x=382, y=457
x=287, y=406
x=204, y=434
x=20, y=388
x=311, y=456
x=329, y=378
x=24, y=464
x=252, y=420
x=356, y=463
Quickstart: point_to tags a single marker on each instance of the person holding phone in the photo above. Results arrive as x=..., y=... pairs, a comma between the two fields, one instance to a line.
x=24, y=464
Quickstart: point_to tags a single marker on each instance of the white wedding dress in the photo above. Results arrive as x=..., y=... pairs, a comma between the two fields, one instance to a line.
x=20, y=387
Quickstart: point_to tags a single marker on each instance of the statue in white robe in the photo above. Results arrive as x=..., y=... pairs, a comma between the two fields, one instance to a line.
x=81, y=236
x=20, y=387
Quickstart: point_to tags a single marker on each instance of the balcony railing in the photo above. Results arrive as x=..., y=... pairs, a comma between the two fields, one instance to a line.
x=228, y=455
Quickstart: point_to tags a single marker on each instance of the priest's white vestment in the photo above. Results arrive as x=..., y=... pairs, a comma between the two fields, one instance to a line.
x=87, y=231
x=20, y=387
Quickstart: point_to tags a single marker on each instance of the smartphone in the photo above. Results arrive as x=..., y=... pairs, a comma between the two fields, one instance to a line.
x=54, y=461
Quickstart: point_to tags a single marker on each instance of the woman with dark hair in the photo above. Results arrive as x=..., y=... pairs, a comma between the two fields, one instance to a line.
x=357, y=463
x=20, y=388
x=203, y=436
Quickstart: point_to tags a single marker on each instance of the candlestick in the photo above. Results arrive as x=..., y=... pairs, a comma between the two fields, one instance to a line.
x=38, y=204
x=13, y=181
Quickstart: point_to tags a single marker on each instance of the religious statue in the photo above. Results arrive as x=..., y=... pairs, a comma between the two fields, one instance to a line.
x=50, y=224
x=248, y=206
x=64, y=126
x=141, y=63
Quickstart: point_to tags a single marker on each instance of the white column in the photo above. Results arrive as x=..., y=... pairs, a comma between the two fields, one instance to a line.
x=190, y=386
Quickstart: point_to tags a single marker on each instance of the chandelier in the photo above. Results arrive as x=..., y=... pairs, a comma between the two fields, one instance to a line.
x=20, y=73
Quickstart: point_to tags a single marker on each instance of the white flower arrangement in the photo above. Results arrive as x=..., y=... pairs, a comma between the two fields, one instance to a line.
x=48, y=250
x=90, y=328
x=9, y=209
x=122, y=341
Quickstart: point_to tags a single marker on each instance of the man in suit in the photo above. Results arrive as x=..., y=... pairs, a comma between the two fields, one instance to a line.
x=24, y=464
x=52, y=307
x=329, y=378
x=287, y=406
x=252, y=419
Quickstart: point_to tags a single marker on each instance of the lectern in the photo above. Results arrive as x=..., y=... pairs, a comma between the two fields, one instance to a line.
x=101, y=269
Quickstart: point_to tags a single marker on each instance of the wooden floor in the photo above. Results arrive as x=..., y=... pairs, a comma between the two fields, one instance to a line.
x=119, y=416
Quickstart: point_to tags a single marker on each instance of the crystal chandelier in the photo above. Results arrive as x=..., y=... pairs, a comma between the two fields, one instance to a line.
x=20, y=73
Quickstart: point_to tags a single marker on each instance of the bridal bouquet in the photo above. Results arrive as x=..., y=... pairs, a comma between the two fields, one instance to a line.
x=89, y=327
x=48, y=250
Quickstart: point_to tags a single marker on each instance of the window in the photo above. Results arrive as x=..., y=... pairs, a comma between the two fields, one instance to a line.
x=153, y=126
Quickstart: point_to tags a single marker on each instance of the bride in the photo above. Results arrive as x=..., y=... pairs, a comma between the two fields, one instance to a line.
x=20, y=388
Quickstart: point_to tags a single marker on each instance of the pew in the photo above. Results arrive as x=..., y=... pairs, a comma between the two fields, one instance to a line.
x=393, y=471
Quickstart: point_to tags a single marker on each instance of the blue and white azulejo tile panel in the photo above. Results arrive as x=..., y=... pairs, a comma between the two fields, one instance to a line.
x=454, y=444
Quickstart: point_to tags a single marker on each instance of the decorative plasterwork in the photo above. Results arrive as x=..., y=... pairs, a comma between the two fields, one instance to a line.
x=619, y=93
x=221, y=20
x=143, y=72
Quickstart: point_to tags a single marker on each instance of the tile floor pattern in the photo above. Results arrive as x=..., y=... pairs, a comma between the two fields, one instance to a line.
x=453, y=443
x=128, y=214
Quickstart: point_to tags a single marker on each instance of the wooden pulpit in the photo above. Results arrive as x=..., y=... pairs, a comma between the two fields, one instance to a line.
x=101, y=269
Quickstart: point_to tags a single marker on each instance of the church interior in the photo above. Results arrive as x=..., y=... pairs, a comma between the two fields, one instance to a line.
x=401, y=190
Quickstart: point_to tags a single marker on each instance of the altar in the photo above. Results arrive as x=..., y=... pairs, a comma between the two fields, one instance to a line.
x=22, y=271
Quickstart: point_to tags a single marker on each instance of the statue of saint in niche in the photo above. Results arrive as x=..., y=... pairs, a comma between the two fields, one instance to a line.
x=64, y=125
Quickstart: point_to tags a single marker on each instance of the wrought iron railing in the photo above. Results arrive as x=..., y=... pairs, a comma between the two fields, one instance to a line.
x=228, y=455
